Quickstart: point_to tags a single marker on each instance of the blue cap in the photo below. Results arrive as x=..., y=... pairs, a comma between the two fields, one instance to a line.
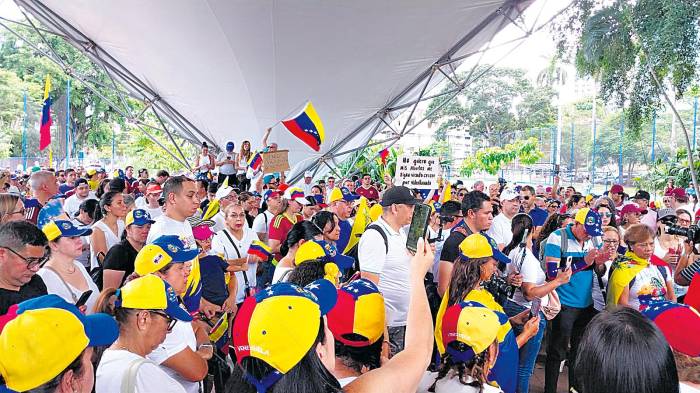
x=229, y=146
x=63, y=228
x=138, y=217
x=175, y=248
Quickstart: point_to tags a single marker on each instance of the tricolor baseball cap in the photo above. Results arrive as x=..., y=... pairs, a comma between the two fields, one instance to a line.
x=163, y=250
x=151, y=293
x=57, y=228
x=295, y=194
x=472, y=324
x=41, y=337
x=479, y=245
x=341, y=193
x=591, y=221
x=279, y=325
x=138, y=217
x=321, y=249
x=358, y=318
x=676, y=321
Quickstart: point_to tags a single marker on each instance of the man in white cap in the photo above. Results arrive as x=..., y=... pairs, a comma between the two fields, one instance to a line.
x=308, y=183
x=500, y=228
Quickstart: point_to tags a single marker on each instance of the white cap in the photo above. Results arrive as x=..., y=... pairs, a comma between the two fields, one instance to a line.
x=308, y=174
x=509, y=194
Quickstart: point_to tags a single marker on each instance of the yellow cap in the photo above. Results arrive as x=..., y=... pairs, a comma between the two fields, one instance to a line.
x=375, y=212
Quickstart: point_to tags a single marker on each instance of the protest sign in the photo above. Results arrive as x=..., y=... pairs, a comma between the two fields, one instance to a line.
x=276, y=161
x=417, y=172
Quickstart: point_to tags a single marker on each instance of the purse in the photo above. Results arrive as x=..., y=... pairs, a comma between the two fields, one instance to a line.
x=248, y=290
x=553, y=306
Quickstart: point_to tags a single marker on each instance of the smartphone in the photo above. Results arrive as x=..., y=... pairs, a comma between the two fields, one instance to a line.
x=83, y=298
x=535, y=307
x=419, y=226
x=565, y=263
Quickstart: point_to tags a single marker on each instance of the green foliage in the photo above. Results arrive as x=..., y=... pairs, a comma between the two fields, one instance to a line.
x=622, y=43
x=440, y=149
x=368, y=161
x=492, y=159
x=494, y=107
x=675, y=168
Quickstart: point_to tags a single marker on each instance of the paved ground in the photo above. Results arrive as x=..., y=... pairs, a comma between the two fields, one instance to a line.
x=537, y=380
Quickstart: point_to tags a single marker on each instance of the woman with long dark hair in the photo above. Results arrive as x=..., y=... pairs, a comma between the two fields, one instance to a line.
x=476, y=265
x=108, y=227
x=328, y=222
x=301, y=232
x=534, y=285
x=242, y=166
x=622, y=351
x=552, y=223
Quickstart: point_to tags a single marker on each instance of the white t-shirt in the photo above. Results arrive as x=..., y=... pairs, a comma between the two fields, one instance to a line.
x=261, y=224
x=149, y=378
x=344, y=381
x=226, y=169
x=219, y=222
x=111, y=239
x=84, y=258
x=531, y=272
x=597, y=293
x=72, y=204
x=685, y=388
x=221, y=244
x=54, y=285
x=165, y=225
x=181, y=337
x=154, y=212
x=500, y=230
x=393, y=269
x=649, y=281
x=451, y=384
x=281, y=272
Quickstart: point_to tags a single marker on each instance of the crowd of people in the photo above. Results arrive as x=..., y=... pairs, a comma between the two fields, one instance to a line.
x=222, y=279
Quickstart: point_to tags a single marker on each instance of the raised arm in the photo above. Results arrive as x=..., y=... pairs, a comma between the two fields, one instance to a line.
x=265, y=136
x=404, y=371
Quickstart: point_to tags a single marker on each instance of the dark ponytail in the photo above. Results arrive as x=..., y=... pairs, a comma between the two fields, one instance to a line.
x=518, y=225
x=106, y=200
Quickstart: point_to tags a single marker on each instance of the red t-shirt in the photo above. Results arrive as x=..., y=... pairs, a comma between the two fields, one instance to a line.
x=369, y=193
x=280, y=227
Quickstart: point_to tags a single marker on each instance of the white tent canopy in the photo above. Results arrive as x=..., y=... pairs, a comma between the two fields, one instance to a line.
x=221, y=70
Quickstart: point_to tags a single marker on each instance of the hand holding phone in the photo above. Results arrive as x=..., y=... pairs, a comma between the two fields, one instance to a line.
x=535, y=307
x=418, y=227
x=83, y=298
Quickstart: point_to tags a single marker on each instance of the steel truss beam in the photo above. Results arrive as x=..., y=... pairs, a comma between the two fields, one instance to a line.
x=508, y=12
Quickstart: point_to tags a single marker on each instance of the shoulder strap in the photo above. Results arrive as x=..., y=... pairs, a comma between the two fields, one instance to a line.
x=564, y=241
x=129, y=377
x=75, y=298
x=379, y=229
x=245, y=274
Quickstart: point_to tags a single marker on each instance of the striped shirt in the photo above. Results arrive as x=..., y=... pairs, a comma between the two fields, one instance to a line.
x=577, y=292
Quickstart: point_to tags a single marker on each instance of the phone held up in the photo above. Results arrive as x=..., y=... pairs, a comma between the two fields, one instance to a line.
x=419, y=226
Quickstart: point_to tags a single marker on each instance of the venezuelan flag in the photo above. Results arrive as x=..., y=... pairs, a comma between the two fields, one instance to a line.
x=219, y=334
x=260, y=250
x=45, y=129
x=255, y=161
x=307, y=127
x=362, y=219
x=193, y=291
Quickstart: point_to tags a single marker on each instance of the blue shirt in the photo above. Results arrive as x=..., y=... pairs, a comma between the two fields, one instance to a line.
x=539, y=216
x=577, y=292
x=344, y=239
x=213, y=270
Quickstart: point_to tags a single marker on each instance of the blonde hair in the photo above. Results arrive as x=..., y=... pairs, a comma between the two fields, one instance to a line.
x=7, y=204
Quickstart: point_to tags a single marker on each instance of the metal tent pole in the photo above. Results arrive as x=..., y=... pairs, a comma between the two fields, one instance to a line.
x=67, y=123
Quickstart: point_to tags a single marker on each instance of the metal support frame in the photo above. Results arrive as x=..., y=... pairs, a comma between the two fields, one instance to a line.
x=509, y=12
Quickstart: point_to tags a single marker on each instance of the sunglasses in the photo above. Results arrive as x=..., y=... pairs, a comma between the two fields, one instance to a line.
x=606, y=214
x=171, y=320
x=526, y=197
x=31, y=262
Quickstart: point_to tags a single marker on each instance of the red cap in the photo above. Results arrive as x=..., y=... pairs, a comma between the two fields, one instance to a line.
x=282, y=187
x=630, y=208
x=154, y=189
x=616, y=189
x=679, y=193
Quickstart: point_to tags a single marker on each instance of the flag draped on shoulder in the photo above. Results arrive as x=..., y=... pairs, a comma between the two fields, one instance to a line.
x=307, y=126
x=45, y=129
x=362, y=219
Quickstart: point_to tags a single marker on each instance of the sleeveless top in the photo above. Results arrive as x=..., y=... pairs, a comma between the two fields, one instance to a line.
x=204, y=159
x=243, y=164
x=111, y=239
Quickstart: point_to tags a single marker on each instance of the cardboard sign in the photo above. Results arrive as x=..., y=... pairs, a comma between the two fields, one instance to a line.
x=417, y=172
x=276, y=161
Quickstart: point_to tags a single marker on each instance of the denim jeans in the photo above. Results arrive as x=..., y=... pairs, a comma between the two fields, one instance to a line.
x=567, y=328
x=528, y=353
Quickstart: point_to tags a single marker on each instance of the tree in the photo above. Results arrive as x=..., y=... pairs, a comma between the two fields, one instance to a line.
x=494, y=107
x=492, y=159
x=635, y=48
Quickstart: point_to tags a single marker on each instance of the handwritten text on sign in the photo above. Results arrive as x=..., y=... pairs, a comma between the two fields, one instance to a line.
x=417, y=172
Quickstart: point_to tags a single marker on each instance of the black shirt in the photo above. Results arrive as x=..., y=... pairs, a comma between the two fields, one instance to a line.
x=450, y=249
x=121, y=257
x=34, y=288
x=249, y=219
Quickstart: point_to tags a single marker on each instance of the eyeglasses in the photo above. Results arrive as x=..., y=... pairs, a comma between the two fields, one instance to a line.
x=645, y=245
x=234, y=215
x=611, y=241
x=31, y=262
x=526, y=197
x=462, y=194
x=171, y=320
